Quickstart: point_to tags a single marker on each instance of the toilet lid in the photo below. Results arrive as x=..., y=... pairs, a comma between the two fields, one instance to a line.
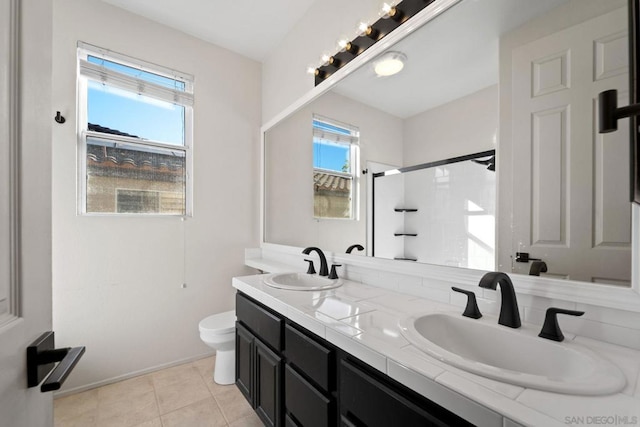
x=221, y=323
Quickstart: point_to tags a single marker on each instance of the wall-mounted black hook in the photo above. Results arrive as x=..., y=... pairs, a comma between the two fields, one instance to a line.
x=365, y=171
x=59, y=118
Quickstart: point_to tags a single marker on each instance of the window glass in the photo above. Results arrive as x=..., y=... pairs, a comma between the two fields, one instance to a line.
x=138, y=73
x=135, y=138
x=119, y=173
x=334, y=155
x=331, y=156
x=133, y=114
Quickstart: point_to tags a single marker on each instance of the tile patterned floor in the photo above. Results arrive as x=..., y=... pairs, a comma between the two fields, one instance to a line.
x=183, y=396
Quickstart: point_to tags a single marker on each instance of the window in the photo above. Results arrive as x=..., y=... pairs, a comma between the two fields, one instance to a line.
x=335, y=166
x=135, y=133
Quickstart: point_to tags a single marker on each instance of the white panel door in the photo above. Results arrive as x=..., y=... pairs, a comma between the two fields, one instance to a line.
x=571, y=185
x=25, y=204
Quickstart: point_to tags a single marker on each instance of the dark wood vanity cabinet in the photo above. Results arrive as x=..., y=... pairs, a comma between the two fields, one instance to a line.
x=258, y=360
x=287, y=376
x=292, y=377
x=259, y=376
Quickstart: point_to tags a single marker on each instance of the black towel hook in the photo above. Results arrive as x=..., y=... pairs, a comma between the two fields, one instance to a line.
x=59, y=118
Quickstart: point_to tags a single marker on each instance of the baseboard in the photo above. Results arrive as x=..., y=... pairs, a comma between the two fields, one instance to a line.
x=63, y=393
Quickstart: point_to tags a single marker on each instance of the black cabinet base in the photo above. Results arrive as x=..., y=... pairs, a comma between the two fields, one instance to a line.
x=292, y=377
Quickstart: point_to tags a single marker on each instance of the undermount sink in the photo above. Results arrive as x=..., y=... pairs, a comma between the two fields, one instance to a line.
x=516, y=356
x=301, y=282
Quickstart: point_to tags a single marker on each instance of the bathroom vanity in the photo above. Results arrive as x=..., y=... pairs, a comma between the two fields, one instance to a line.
x=293, y=377
x=338, y=357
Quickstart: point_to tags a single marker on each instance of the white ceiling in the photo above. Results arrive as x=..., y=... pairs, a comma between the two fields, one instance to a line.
x=249, y=27
x=454, y=55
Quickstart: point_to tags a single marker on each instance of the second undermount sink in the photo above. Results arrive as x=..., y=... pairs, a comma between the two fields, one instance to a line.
x=301, y=282
x=516, y=356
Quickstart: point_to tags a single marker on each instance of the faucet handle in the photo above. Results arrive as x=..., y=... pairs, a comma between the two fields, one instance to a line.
x=311, y=269
x=333, y=274
x=551, y=329
x=471, y=310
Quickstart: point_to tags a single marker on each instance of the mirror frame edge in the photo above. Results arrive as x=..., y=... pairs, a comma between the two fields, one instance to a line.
x=601, y=295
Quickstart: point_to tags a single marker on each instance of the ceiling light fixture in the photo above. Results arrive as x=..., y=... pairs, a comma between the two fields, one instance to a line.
x=389, y=63
x=393, y=14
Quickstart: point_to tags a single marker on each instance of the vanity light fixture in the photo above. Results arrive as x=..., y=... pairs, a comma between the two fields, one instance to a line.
x=389, y=63
x=392, y=15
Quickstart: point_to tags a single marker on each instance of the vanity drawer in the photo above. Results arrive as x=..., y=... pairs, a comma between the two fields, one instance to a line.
x=368, y=399
x=259, y=320
x=308, y=406
x=309, y=356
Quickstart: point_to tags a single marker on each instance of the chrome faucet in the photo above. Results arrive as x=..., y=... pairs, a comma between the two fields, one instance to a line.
x=509, y=315
x=324, y=270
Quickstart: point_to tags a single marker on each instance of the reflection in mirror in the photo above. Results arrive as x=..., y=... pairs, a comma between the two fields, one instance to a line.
x=437, y=213
x=515, y=76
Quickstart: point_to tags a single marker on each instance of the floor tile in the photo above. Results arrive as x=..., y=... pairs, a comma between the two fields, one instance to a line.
x=250, y=421
x=168, y=377
x=205, y=368
x=183, y=395
x=85, y=403
x=233, y=405
x=125, y=390
x=180, y=394
x=204, y=413
x=89, y=419
x=128, y=412
x=151, y=423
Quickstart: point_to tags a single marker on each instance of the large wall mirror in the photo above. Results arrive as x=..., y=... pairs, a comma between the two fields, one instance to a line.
x=519, y=77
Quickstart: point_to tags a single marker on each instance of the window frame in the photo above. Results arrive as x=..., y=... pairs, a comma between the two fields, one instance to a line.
x=354, y=157
x=83, y=133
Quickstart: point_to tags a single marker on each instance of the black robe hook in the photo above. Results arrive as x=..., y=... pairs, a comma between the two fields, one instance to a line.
x=59, y=118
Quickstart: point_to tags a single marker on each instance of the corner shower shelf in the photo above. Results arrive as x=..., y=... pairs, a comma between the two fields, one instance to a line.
x=405, y=210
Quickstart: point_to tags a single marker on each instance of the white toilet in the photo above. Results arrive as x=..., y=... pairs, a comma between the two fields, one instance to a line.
x=218, y=331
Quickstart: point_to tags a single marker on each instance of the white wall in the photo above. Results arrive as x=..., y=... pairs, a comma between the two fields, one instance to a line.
x=117, y=281
x=284, y=76
x=463, y=126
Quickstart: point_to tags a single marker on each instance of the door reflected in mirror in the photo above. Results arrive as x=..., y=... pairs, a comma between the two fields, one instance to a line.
x=515, y=76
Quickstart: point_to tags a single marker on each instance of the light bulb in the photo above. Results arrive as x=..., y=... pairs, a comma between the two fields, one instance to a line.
x=344, y=45
x=389, y=10
x=386, y=8
x=362, y=28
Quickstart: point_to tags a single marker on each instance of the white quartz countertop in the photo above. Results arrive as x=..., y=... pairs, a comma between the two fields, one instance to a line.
x=363, y=320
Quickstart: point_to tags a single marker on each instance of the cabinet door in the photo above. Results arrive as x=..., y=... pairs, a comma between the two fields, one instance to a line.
x=268, y=381
x=244, y=362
